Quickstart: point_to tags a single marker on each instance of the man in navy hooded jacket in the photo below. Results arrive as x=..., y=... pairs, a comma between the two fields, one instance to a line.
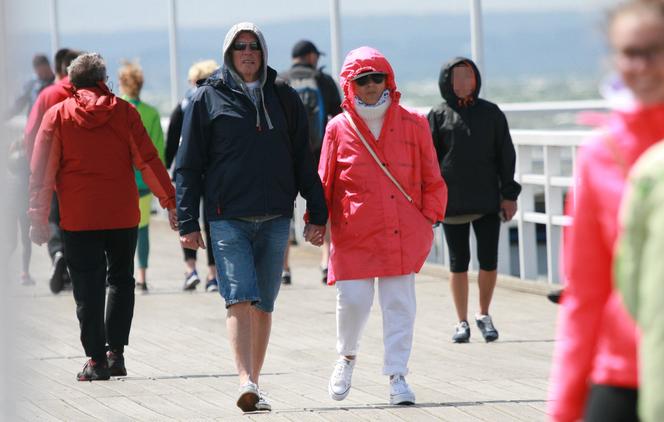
x=245, y=145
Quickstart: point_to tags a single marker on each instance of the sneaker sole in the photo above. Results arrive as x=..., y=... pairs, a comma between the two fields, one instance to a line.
x=465, y=340
x=335, y=396
x=192, y=285
x=264, y=407
x=402, y=400
x=490, y=339
x=247, y=402
x=80, y=377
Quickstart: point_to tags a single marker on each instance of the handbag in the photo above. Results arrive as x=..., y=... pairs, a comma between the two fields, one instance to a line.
x=382, y=165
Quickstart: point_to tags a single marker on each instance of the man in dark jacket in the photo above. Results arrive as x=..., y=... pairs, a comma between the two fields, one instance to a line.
x=477, y=160
x=245, y=146
x=320, y=96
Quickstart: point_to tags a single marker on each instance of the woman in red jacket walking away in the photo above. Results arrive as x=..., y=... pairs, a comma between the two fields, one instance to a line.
x=384, y=191
x=594, y=374
x=86, y=149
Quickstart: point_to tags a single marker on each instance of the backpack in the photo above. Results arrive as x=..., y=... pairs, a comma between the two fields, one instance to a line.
x=304, y=80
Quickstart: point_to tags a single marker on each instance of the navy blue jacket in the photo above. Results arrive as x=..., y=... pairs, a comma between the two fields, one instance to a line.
x=245, y=169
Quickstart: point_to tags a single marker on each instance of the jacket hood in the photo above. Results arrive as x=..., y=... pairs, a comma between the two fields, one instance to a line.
x=92, y=106
x=445, y=80
x=363, y=60
x=228, y=41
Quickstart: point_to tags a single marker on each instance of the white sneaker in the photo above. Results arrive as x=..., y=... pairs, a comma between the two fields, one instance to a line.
x=263, y=403
x=400, y=392
x=248, y=397
x=339, y=385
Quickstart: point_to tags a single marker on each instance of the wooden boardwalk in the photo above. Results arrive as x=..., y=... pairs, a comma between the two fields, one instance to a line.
x=180, y=365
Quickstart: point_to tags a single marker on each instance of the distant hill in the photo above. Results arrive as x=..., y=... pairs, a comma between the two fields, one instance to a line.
x=527, y=55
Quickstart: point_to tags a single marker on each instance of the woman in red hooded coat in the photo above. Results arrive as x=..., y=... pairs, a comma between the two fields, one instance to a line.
x=379, y=230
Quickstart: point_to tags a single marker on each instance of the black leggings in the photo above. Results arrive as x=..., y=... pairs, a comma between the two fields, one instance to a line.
x=611, y=404
x=457, y=237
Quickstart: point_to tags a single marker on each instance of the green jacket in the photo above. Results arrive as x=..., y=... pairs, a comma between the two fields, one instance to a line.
x=639, y=273
x=152, y=122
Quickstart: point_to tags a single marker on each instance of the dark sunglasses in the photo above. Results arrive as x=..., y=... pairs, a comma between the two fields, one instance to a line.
x=377, y=78
x=241, y=46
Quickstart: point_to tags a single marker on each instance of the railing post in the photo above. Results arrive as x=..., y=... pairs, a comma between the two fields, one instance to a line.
x=526, y=203
x=173, y=52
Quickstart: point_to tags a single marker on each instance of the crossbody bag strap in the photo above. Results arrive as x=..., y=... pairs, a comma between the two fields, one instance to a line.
x=375, y=157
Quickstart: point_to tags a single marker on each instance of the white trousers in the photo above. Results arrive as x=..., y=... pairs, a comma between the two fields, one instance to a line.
x=397, y=302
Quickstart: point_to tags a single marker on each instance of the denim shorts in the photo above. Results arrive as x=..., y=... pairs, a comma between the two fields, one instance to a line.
x=249, y=258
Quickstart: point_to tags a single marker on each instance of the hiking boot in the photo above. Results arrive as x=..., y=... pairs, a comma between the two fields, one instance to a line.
x=263, y=403
x=485, y=324
x=248, y=397
x=323, y=275
x=116, y=364
x=94, y=371
x=191, y=280
x=461, y=332
x=212, y=285
x=400, y=392
x=286, y=277
x=339, y=385
x=57, y=282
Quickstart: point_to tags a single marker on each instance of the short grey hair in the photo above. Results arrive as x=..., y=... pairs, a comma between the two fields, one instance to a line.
x=87, y=70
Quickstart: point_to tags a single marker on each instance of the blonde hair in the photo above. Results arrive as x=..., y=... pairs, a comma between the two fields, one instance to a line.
x=201, y=70
x=130, y=76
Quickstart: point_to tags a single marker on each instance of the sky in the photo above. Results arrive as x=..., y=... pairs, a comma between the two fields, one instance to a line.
x=96, y=16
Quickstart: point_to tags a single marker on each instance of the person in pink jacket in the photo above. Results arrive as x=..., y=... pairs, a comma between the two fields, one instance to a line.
x=381, y=225
x=594, y=373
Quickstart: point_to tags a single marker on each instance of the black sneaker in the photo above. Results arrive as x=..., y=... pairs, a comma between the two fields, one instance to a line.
x=286, y=277
x=461, y=332
x=323, y=275
x=485, y=324
x=143, y=287
x=555, y=296
x=94, y=371
x=116, y=364
x=57, y=281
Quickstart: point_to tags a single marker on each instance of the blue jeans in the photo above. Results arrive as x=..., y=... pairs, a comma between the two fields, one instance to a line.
x=249, y=257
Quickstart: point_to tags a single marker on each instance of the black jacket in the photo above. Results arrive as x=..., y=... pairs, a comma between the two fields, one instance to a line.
x=245, y=169
x=474, y=148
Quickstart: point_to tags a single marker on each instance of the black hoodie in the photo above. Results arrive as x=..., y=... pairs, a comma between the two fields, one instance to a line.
x=474, y=148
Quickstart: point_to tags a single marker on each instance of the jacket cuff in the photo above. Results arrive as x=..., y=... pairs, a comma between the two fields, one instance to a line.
x=315, y=218
x=187, y=227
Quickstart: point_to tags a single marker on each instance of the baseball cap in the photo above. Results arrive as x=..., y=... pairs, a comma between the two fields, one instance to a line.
x=304, y=47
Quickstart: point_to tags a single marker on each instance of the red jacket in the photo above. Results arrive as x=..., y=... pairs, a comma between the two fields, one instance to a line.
x=374, y=230
x=86, y=147
x=596, y=337
x=50, y=96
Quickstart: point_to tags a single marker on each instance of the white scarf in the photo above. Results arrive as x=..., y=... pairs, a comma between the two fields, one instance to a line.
x=374, y=115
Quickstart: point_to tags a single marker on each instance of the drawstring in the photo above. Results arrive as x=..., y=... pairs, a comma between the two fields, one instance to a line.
x=267, y=116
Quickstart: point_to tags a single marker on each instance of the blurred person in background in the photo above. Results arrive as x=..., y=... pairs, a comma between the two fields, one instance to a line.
x=198, y=72
x=130, y=76
x=384, y=191
x=43, y=77
x=49, y=97
x=477, y=160
x=320, y=97
x=86, y=149
x=594, y=375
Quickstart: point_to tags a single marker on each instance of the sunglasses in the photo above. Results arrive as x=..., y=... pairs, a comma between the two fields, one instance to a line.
x=241, y=46
x=377, y=78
